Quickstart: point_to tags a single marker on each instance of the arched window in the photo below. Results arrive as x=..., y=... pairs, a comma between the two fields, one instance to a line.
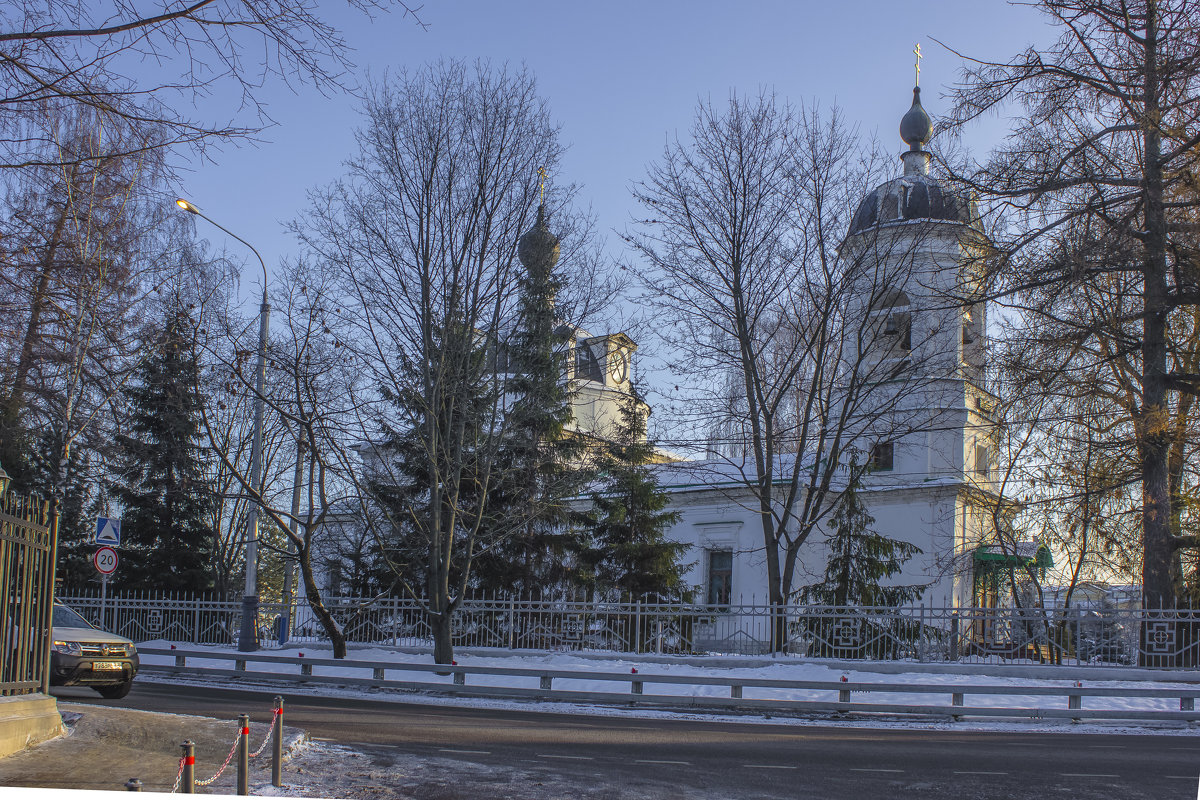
x=895, y=320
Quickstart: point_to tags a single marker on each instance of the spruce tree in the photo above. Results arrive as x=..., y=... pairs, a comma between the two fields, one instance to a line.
x=167, y=538
x=542, y=461
x=628, y=551
x=49, y=475
x=860, y=559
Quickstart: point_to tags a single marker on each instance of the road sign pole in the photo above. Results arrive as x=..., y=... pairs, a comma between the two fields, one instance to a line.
x=103, y=599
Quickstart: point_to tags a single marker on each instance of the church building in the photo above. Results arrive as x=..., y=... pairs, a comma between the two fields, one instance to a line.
x=930, y=485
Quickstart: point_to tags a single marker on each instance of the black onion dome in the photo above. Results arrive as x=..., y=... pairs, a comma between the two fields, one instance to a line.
x=916, y=128
x=538, y=247
x=913, y=197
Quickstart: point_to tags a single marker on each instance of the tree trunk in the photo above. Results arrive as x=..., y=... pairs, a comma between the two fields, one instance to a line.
x=336, y=637
x=1152, y=427
x=442, y=626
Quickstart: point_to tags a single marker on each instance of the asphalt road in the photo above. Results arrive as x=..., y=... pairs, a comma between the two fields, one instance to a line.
x=636, y=758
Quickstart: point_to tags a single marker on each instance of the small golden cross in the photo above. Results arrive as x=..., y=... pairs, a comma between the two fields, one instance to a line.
x=542, y=184
x=917, y=50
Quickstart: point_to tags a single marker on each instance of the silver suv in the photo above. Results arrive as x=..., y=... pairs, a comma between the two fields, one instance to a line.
x=82, y=655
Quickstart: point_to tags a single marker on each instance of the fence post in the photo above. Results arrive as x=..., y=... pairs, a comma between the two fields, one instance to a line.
x=196, y=621
x=954, y=637
x=188, y=786
x=512, y=623
x=921, y=636
x=637, y=629
x=277, y=760
x=395, y=621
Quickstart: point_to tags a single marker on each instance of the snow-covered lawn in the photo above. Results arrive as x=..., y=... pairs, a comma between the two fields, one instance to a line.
x=789, y=670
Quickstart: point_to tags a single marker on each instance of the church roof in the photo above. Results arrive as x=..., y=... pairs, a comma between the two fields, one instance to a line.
x=915, y=195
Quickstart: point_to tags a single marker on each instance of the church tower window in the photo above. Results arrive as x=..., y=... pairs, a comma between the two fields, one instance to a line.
x=982, y=460
x=896, y=327
x=588, y=364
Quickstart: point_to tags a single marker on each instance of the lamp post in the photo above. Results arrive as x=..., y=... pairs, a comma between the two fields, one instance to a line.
x=248, y=639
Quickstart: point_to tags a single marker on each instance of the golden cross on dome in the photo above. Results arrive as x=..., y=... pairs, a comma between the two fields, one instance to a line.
x=542, y=184
x=917, y=50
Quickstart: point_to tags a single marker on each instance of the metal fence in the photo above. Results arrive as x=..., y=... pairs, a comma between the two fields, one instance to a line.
x=1095, y=636
x=28, y=540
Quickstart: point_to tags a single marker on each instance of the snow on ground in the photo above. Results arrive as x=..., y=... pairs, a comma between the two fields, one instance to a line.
x=785, y=670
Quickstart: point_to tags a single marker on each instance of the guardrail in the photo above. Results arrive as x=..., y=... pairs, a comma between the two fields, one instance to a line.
x=636, y=694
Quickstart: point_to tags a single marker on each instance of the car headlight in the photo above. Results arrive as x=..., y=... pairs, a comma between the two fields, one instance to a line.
x=68, y=648
x=131, y=649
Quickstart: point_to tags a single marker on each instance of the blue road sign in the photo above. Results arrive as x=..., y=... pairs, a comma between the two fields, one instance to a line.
x=108, y=531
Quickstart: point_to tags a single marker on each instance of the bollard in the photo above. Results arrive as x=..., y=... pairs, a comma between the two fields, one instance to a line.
x=277, y=762
x=189, y=768
x=133, y=785
x=243, y=776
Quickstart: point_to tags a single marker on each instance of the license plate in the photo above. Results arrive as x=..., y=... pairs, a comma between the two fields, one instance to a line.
x=106, y=666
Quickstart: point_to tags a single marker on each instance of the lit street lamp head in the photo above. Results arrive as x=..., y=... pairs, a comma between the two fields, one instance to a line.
x=186, y=206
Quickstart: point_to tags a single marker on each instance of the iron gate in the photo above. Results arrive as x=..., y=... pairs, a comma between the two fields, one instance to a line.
x=28, y=541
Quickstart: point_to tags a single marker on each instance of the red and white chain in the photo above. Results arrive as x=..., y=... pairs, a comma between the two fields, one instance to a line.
x=228, y=758
x=179, y=775
x=270, y=731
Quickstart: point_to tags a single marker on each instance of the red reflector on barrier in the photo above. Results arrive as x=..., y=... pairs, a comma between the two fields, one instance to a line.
x=245, y=731
x=189, y=760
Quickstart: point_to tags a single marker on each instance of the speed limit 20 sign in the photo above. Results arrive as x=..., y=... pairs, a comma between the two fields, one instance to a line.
x=105, y=560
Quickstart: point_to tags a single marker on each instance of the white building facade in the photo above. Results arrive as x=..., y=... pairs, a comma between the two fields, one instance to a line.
x=931, y=477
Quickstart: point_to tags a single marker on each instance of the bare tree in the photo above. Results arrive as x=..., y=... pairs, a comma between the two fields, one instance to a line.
x=87, y=251
x=1095, y=183
x=126, y=63
x=424, y=233
x=807, y=343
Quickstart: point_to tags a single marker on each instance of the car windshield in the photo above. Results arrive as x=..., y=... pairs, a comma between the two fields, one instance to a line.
x=68, y=618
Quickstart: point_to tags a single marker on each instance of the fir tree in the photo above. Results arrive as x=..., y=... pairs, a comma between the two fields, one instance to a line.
x=860, y=559
x=49, y=475
x=167, y=538
x=402, y=550
x=542, y=462
x=628, y=551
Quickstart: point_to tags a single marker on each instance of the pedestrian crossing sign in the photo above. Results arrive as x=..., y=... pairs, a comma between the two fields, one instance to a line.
x=108, y=531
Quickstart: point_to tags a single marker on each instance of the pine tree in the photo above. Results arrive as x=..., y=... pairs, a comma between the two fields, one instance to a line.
x=628, y=551
x=859, y=559
x=167, y=538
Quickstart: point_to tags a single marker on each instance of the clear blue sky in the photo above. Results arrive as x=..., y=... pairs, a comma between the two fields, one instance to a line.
x=620, y=76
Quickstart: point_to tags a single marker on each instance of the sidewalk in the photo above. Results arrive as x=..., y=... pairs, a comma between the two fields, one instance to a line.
x=106, y=746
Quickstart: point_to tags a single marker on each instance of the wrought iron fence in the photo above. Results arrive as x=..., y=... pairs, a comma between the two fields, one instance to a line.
x=1096, y=636
x=28, y=540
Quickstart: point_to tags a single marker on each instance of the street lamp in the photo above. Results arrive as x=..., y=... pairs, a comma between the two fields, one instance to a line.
x=248, y=640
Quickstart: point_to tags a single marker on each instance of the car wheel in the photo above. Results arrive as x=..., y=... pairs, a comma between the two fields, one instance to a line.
x=116, y=691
